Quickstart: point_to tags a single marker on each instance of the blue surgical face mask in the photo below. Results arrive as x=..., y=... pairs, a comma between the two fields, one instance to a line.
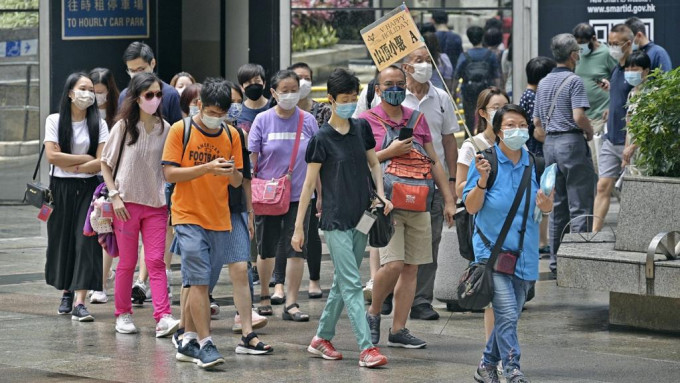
x=234, y=111
x=193, y=110
x=634, y=78
x=345, y=110
x=515, y=138
x=585, y=48
x=394, y=95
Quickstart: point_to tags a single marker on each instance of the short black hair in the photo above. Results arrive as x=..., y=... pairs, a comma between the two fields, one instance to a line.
x=249, y=71
x=427, y=28
x=440, y=17
x=282, y=75
x=539, y=67
x=393, y=66
x=493, y=37
x=475, y=34
x=216, y=92
x=639, y=58
x=342, y=81
x=583, y=31
x=493, y=23
x=236, y=88
x=138, y=49
x=636, y=25
x=505, y=109
x=303, y=66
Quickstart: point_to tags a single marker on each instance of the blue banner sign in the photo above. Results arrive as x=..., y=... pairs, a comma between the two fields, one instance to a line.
x=104, y=19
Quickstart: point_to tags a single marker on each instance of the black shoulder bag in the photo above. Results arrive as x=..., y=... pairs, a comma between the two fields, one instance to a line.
x=36, y=193
x=475, y=287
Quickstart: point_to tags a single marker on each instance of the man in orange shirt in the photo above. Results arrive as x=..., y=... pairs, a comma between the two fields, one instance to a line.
x=202, y=169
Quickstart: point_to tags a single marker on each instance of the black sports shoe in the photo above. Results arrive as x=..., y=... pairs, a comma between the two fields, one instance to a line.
x=387, y=305
x=81, y=314
x=404, y=338
x=486, y=374
x=66, y=305
x=424, y=311
x=374, y=325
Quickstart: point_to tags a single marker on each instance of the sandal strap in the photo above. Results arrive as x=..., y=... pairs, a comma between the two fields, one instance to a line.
x=246, y=339
x=265, y=297
x=294, y=305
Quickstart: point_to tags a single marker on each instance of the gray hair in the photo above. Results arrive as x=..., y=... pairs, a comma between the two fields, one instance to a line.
x=562, y=46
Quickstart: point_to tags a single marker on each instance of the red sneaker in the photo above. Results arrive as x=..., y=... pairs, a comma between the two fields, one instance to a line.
x=371, y=357
x=324, y=348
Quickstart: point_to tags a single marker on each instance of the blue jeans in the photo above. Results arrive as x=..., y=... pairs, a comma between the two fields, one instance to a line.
x=510, y=293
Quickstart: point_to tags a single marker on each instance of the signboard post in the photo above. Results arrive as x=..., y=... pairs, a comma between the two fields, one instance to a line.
x=104, y=19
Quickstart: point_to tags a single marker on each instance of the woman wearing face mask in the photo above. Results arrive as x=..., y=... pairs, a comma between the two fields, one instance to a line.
x=322, y=113
x=138, y=198
x=443, y=63
x=106, y=93
x=490, y=205
x=336, y=155
x=488, y=102
x=181, y=81
x=638, y=66
x=189, y=99
x=271, y=142
x=74, y=139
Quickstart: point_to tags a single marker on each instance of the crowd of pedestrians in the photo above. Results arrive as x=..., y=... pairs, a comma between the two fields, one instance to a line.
x=188, y=165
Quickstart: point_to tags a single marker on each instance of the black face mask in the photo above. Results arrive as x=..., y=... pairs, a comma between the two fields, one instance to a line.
x=254, y=91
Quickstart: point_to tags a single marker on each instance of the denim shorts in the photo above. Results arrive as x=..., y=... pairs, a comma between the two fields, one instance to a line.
x=201, y=250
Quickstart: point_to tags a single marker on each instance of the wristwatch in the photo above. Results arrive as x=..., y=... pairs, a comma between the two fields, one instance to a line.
x=452, y=179
x=113, y=193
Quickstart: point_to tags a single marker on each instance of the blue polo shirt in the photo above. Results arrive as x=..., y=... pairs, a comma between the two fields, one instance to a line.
x=618, y=100
x=497, y=203
x=658, y=56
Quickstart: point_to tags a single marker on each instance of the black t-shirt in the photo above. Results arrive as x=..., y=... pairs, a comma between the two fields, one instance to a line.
x=237, y=197
x=344, y=172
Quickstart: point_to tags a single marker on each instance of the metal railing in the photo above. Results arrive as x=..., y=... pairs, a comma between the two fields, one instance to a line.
x=26, y=107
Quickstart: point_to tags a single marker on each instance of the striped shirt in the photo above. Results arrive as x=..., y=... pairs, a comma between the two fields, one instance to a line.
x=572, y=96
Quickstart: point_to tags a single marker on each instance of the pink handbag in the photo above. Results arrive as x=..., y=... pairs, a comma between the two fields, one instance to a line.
x=272, y=197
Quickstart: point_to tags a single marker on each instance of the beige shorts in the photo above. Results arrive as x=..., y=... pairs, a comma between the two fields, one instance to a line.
x=412, y=239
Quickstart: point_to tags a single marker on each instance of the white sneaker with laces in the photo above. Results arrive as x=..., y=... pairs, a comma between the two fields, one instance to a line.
x=125, y=325
x=166, y=326
x=99, y=297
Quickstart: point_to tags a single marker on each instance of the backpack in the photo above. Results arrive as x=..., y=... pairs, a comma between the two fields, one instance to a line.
x=476, y=75
x=407, y=179
x=370, y=93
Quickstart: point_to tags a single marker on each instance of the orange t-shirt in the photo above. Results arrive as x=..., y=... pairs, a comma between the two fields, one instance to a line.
x=203, y=201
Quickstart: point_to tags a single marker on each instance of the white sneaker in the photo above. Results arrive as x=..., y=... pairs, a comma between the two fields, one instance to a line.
x=138, y=293
x=124, y=324
x=99, y=297
x=214, y=309
x=168, y=275
x=258, y=321
x=166, y=326
x=368, y=291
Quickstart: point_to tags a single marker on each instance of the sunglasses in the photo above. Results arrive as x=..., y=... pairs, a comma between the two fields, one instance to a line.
x=150, y=95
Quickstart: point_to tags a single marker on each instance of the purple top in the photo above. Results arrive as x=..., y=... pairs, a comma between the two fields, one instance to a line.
x=273, y=138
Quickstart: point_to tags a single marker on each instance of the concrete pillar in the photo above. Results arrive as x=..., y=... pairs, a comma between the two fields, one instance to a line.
x=524, y=40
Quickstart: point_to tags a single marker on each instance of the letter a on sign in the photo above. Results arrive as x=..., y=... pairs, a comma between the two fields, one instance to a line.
x=392, y=37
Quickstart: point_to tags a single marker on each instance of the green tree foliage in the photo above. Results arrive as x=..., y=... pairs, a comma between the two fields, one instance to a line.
x=655, y=124
x=12, y=20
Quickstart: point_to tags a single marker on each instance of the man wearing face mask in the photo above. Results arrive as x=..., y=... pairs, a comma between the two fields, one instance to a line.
x=657, y=54
x=611, y=155
x=561, y=122
x=251, y=78
x=595, y=64
x=411, y=244
x=435, y=104
x=138, y=58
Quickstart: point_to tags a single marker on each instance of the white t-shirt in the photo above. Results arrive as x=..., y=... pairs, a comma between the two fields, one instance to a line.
x=361, y=102
x=438, y=111
x=466, y=153
x=79, y=144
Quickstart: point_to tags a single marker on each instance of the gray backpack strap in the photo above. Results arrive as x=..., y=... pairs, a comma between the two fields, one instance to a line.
x=564, y=83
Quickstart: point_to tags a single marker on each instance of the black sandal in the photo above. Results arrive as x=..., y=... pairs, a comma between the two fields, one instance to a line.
x=265, y=310
x=246, y=348
x=297, y=317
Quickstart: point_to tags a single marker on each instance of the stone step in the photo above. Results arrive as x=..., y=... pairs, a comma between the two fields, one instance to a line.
x=12, y=124
x=13, y=93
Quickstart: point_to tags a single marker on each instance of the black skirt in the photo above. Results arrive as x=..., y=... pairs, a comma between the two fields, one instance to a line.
x=74, y=261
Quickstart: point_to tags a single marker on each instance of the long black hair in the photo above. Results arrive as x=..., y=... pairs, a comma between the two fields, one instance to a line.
x=129, y=111
x=105, y=76
x=66, y=122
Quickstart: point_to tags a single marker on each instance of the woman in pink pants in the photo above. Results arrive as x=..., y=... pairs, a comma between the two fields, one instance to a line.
x=134, y=177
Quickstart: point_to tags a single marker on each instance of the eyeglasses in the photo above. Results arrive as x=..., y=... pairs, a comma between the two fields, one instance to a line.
x=522, y=126
x=390, y=84
x=150, y=95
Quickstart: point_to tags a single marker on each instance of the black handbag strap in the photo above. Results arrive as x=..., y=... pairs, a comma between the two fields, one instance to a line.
x=527, y=201
x=523, y=186
x=120, y=153
x=37, y=166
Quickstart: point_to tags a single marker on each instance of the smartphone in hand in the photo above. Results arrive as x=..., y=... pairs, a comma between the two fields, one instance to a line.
x=405, y=133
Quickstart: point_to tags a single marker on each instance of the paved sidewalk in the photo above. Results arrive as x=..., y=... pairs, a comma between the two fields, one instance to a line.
x=563, y=332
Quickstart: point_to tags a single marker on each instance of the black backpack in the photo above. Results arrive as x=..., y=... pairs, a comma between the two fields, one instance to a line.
x=476, y=75
x=370, y=93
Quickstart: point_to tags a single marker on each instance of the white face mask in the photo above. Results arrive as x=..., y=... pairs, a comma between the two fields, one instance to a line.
x=585, y=48
x=83, y=99
x=288, y=101
x=180, y=90
x=305, y=88
x=101, y=98
x=616, y=52
x=193, y=110
x=422, y=72
x=212, y=122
